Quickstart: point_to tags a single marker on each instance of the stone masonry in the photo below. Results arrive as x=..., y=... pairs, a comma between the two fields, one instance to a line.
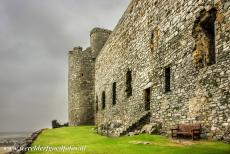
x=81, y=79
x=167, y=62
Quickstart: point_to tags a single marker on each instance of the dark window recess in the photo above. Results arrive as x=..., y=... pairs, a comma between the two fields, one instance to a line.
x=209, y=29
x=103, y=100
x=167, y=79
x=82, y=74
x=152, y=42
x=147, y=99
x=129, y=83
x=96, y=104
x=204, y=34
x=114, y=93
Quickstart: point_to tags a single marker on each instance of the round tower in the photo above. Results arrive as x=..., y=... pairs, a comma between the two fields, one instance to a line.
x=98, y=38
x=81, y=87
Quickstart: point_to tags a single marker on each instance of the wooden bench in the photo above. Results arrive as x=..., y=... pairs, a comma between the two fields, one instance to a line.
x=193, y=130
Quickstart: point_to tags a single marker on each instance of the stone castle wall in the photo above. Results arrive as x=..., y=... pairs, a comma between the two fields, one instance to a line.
x=81, y=79
x=154, y=35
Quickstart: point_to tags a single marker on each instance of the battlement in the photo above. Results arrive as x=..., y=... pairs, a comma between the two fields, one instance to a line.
x=100, y=30
x=98, y=38
x=76, y=49
x=79, y=48
x=89, y=49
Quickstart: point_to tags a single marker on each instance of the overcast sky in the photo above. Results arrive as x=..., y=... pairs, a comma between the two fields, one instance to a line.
x=35, y=36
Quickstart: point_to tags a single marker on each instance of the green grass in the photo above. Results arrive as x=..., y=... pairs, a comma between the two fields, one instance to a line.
x=97, y=144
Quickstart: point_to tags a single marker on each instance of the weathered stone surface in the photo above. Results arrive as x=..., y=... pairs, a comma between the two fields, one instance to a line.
x=150, y=37
x=81, y=79
x=150, y=129
x=226, y=6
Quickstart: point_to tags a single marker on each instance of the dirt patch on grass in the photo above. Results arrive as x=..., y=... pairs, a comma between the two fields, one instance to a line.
x=184, y=142
x=140, y=142
x=158, y=143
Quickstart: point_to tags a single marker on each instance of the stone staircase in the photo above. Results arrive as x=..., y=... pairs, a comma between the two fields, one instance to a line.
x=137, y=124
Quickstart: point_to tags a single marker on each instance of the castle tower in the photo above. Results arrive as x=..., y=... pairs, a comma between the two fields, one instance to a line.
x=98, y=38
x=81, y=92
x=81, y=87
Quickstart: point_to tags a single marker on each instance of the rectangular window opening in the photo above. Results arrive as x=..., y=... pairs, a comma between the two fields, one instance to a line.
x=129, y=83
x=147, y=99
x=167, y=79
x=114, y=93
x=103, y=100
x=96, y=104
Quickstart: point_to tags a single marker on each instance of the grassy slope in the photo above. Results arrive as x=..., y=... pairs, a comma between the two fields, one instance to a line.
x=96, y=144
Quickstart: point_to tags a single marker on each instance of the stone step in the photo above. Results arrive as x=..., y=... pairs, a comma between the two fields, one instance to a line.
x=136, y=123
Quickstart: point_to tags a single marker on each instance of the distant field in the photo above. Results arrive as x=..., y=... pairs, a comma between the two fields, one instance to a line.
x=140, y=144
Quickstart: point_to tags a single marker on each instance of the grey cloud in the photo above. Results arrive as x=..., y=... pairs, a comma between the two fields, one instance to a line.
x=35, y=36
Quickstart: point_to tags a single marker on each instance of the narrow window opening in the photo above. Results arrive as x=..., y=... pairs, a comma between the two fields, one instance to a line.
x=114, y=93
x=167, y=79
x=129, y=83
x=147, y=99
x=96, y=104
x=152, y=42
x=82, y=74
x=103, y=100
